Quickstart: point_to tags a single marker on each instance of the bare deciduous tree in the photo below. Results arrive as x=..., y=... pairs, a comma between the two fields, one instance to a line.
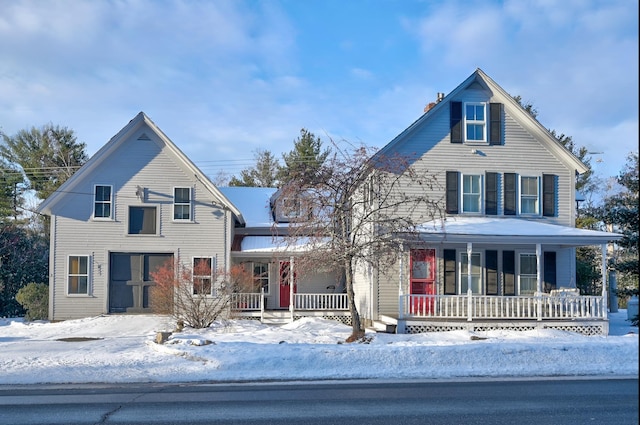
x=357, y=212
x=195, y=296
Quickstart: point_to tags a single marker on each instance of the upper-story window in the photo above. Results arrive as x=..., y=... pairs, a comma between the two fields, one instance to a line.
x=529, y=195
x=471, y=193
x=182, y=203
x=143, y=220
x=475, y=122
x=102, y=202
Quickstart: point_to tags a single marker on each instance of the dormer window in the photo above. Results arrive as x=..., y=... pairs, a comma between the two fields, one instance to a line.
x=290, y=207
x=475, y=122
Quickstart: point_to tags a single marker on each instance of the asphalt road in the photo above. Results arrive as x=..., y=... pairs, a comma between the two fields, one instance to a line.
x=522, y=402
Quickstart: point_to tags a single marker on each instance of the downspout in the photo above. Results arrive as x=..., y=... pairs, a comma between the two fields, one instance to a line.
x=401, y=280
x=539, y=281
x=469, y=290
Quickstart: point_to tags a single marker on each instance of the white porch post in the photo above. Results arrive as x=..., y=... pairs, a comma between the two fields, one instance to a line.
x=291, y=283
x=539, y=280
x=603, y=248
x=469, y=290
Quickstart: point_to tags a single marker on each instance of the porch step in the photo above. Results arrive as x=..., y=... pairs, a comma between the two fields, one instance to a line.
x=276, y=318
x=385, y=325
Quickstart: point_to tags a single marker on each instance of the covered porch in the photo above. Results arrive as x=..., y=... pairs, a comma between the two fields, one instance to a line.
x=480, y=281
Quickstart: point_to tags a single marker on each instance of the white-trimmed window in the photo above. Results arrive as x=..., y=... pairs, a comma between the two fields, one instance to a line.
x=182, y=204
x=143, y=220
x=529, y=195
x=471, y=193
x=476, y=273
x=528, y=276
x=78, y=275
x=291, y=207
x=261, y=276
x=475, y=122
x=102, y=202
x=202, y=273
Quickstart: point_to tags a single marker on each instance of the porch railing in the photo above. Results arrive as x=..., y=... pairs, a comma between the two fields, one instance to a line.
x=473, y=307
x=254, y=301
x=321, y=302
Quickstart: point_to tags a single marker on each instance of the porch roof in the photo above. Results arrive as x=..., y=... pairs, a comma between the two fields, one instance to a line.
x=257, y=245
x=510, y=230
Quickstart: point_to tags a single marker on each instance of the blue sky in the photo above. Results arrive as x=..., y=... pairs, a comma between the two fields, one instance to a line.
x=225, y=78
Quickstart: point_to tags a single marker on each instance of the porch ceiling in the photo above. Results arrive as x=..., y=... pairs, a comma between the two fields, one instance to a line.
x=510, y=230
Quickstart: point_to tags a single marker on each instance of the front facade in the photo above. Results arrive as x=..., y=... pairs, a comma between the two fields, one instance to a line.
x=506, y=244
x=136, y=204
x=502, y=256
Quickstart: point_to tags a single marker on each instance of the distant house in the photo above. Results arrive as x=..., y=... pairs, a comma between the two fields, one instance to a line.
x=503, y=257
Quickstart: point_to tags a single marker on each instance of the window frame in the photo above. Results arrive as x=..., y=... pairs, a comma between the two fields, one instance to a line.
x=181, y=205
x=102, y=202
x=522, y=196
x=475, y=122
x=156, y=222
x=212, y=290
x=480, y=194
x=462, y=278
x=260, y=280
x=86, y=275
x=533, y=276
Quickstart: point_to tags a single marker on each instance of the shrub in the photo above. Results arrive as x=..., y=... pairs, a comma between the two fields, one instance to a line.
x=34, y=298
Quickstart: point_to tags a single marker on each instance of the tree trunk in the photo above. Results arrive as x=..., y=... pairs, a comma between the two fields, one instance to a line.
x=357, y=330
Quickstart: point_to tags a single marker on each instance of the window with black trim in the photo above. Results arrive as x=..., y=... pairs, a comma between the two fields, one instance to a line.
x=261, y=276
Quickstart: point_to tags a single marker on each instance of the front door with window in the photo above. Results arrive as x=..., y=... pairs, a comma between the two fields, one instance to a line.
x=422, y=280
x=130, y=279
x=285, y=282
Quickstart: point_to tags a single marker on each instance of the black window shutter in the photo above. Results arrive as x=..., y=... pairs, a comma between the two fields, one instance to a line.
x=450, y=271
x=549, y=266
x=495, y=123
x=509, y=272
x=510, y=200
x=491, y=270
x=455, y=113
x=491, y=194
x=549, y=195
x=452, y=192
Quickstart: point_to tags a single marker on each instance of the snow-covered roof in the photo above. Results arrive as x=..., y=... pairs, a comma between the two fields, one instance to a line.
x=271, y=245
x=512, y=230
x=253, y=202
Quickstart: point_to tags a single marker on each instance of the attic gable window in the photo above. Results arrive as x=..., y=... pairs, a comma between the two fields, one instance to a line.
x=182, y=204
x=102, y=202
x=475, y=122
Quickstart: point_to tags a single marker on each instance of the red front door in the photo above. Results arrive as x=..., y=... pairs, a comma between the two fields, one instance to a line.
x=285, y=282
x=423, y=280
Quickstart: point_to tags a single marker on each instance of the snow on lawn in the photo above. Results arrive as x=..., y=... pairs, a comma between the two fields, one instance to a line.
x=121, y=348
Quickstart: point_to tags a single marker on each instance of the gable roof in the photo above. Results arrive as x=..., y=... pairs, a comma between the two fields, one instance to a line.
x=121, y=137
x=523, y=117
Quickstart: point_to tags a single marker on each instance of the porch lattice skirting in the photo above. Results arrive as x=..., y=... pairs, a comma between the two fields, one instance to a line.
x=589, y=328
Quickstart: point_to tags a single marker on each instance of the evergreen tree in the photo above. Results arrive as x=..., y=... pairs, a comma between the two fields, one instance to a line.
x=262, y=174
x=11, y=192
x=48, y=155
x=304, y=161
x=620, y=211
